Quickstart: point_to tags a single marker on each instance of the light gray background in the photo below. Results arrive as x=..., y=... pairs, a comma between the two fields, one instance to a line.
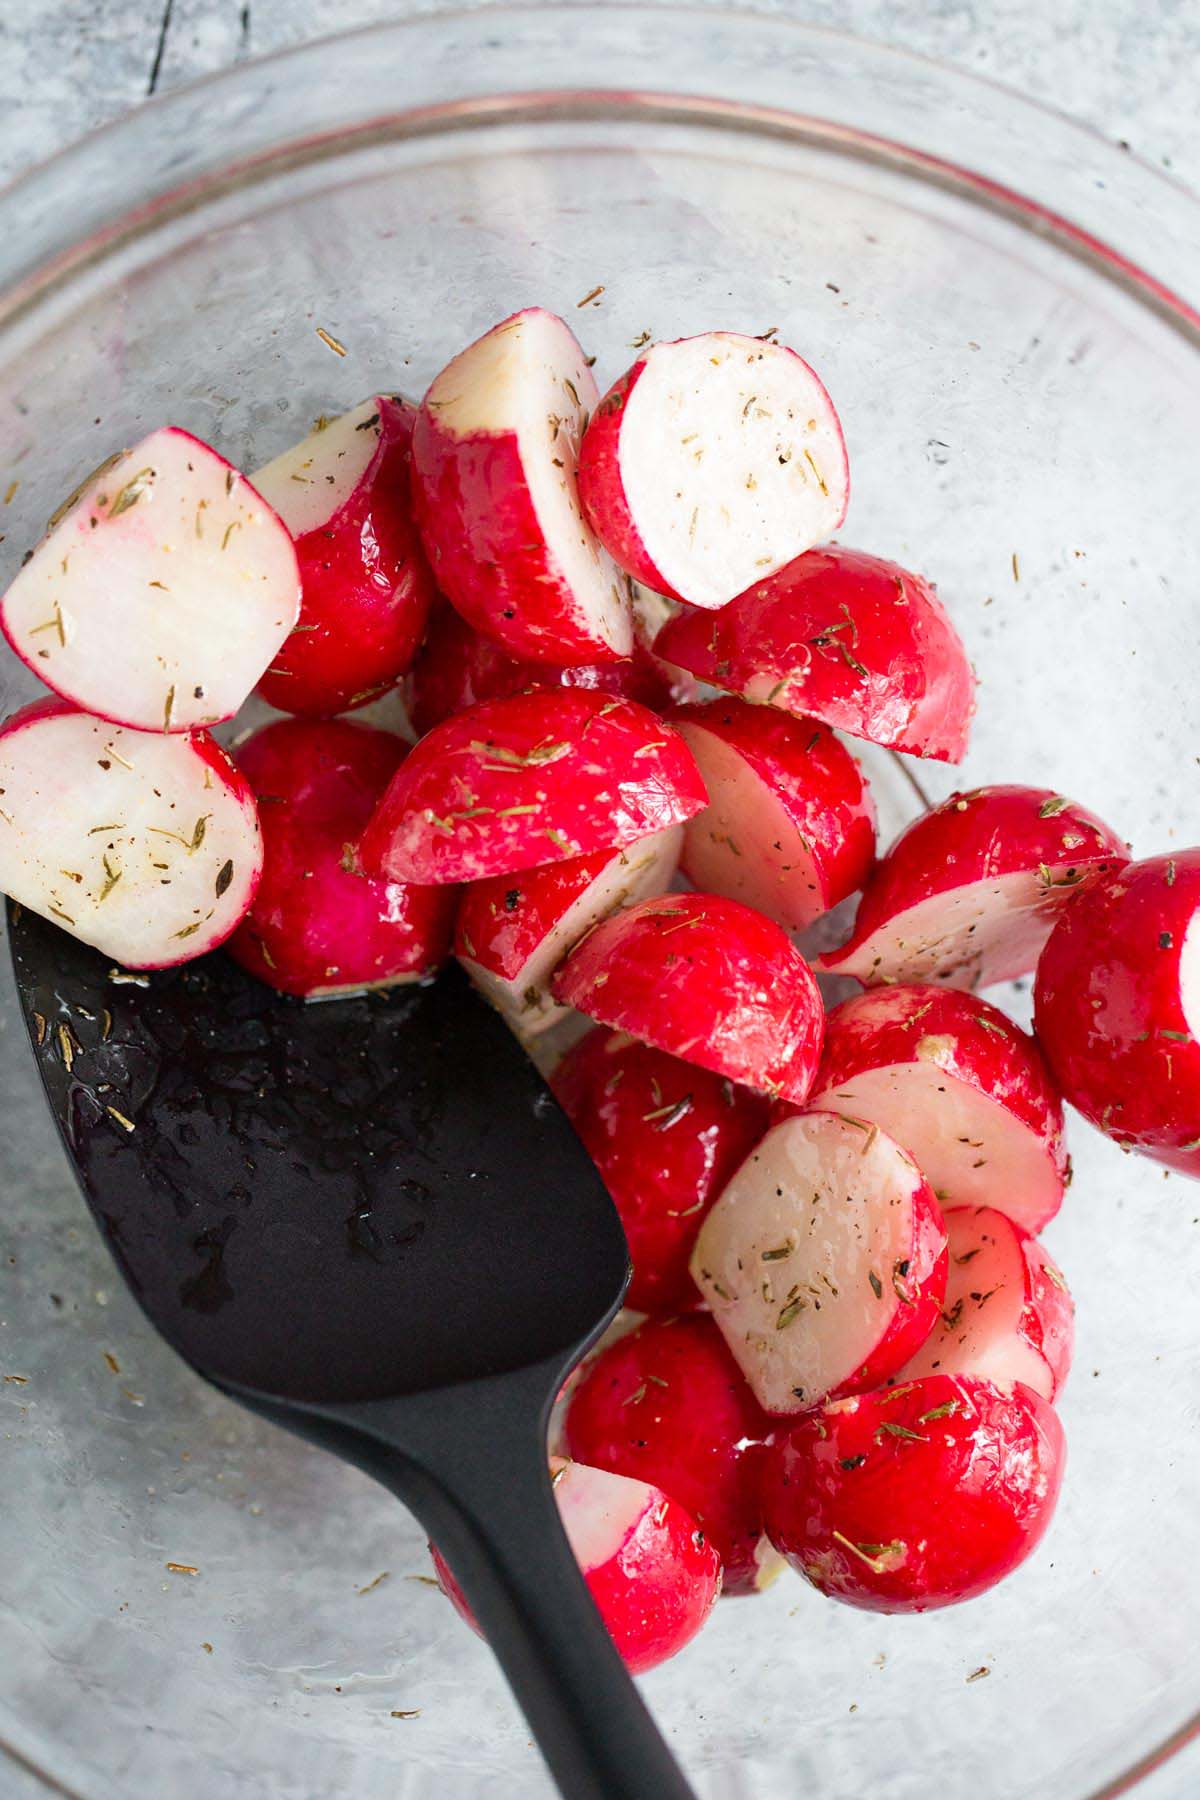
x=1126, y=67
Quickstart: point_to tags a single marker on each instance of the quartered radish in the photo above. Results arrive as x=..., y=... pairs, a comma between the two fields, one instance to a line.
x=163, y=588
x=712, y=462
x=345, y=495
x=652, y=1575
x=666, y=1137
x=915, y=1497
x=1117, y=1007
x=1007, y=1315
x=495, y=452
x=538, y=778
x=790, y=826
x=145, y=844
x=707, y=980
x=963, y=1089
x=513, y=931
x=824, y=1260
x=969, y=893
x=858, y=642
x=667, y=1404
x=318, y=926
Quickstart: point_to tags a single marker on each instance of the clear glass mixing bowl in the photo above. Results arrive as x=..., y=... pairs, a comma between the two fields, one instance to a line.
x=992, y=296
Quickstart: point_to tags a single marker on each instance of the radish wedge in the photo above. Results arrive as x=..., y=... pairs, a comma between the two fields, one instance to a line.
x=824, y=1260
x=707, y=980
x=143, y=844
x=969, y=893
x=711, y=462
x=860, y=643
x=513, y=932
x=162, y=590
x=495, y=452
x=1007, y=1315
x=539, y=778
x=789, y=827
x=964, y=1090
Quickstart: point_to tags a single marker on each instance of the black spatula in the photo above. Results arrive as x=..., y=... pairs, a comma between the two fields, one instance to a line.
x=368, y=1221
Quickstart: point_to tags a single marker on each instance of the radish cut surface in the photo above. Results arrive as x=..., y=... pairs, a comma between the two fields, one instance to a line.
x=161, y=592
x=311, y=481
x=143, y=844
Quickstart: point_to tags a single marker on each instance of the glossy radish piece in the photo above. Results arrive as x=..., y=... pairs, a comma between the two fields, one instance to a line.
x=1007, y=1316
x=513, y=931
x=317, y=926
x=963, y=1089
x=164, y=587
x=653, y=1577
x=707, y=980
x=915, y=1497
x=539, y=778
x=790, y=827
x=495, y=452
x=667, y=1404
x=1117, y=1007
x=711, y=462
x=824, y=1260
x=858, y=642
x=344, y=493
x=970, y=892
x=666, y=1137
x=145, y=844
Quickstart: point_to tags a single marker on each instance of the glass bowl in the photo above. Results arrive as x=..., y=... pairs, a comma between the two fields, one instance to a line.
x=993, y=296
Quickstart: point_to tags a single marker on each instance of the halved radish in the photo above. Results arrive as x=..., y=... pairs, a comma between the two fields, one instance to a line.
x=513, y=931
x=318, y=926
x=144, y=844
x=345, y=495
x=789, y=827
x=495, y=452
x=707, y=980
x=961, y=1087
x=1117, y=1007
x=538, y=778
x=711, y=462
x=651, y=1573
x=858, y=642
x=824, y=1260
x=918, y=1496
x=666, y=1137
x=163, y=588
x=969, y=892
x=458, y=667
x=1007, y=1315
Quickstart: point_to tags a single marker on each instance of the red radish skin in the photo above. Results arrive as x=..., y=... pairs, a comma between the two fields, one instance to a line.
x=143, y=844
x=915, y=1497
x=459, y=666
x=965, y=1090
x=711, y=462
x=969, y=893
x=539, y=778
x=858, y=642
x=653, y=1577
x=1117, y=1007
x=317, y=926
x=707, y=980
x=666, y=1137
x=667, y=1404
x=366, y=589
x=495, y=453
x=163, y=588
x=790, y=825
x=824, y=1260
x=1008, y=1315
x=513, y=931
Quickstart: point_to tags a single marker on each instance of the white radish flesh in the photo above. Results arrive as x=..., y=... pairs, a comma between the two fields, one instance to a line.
x=312, y=480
